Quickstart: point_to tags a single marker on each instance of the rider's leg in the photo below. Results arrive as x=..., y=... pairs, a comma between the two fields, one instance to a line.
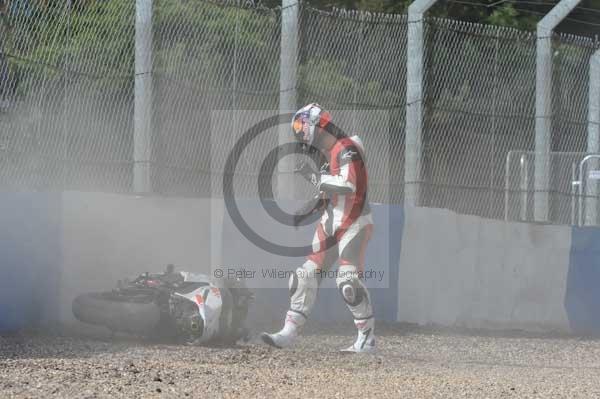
x=303, y=286
x=356, y=295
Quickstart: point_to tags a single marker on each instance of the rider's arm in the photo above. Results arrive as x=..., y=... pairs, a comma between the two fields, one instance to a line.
x=307, y=170
x=320, y=203
x=351, y=172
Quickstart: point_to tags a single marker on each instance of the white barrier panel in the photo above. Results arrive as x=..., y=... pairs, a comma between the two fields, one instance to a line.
x=460, y=270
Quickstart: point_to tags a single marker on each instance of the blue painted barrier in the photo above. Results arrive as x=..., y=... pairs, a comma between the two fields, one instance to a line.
x=29, y=258
x=582, y=298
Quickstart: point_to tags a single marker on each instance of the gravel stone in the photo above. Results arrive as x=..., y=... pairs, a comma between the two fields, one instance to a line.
x=411, y=362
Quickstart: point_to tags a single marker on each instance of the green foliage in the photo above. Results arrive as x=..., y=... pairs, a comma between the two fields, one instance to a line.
x=98, y=41
x=506, y=15
x=204, y=39
x=102, y=38
x=197, y=41
x=326, y=79
x=325, y=76
x=95, y=42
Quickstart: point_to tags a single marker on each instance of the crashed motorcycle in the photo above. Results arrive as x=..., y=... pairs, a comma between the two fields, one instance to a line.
x=180, y=306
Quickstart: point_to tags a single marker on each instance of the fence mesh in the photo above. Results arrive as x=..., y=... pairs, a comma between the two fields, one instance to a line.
x=67, y=123
x=480, y=103
x=208, y=57
x=357, y=61
x=67, y=78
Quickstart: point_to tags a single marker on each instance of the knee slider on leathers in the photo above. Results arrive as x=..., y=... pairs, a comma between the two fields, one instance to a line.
x=354, y=292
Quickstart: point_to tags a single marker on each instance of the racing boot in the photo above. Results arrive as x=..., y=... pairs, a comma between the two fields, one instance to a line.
x=365, y=341
x=303, y=287
x=356, y=295
x=288, y=334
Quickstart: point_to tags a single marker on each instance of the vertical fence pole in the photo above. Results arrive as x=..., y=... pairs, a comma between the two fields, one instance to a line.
x=234, y=68
x=581, y=191
x=142, y=136
x=355, y=74
x=574, y=190
x=507, y=186
x=287, y=90
x=524, y=185
x=593, y=137
x=66, y=104
x=414, y=101
x=543, y=104
x=491, y=196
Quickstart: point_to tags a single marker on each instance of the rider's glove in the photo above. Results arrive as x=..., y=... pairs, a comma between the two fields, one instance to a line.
x=310, y=208
x=308, y=172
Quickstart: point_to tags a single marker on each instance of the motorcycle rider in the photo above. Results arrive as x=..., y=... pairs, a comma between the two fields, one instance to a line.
x=343, y=231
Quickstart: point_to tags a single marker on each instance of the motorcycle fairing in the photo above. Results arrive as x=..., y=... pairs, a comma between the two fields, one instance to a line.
x=209, y=302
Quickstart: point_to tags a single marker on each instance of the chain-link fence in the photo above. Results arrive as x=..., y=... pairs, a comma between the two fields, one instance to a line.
x=67, y=78
x=357, y=61
x=480, y=103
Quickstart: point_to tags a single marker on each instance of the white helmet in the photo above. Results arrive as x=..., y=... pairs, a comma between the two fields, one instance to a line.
x=305, y=120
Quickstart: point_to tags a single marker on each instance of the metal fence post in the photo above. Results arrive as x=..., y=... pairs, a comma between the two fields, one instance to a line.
x=142, y=136
x=414, y=101
x=543, y=104
x=507, y=186
x=524, y=185
x=574, y=190
x=493, y=128
x=593, y=136
x=287, y=90
x=66, y=120
x=356, y=76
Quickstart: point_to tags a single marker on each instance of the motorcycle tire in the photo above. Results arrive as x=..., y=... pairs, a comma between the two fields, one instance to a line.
x=139, y=318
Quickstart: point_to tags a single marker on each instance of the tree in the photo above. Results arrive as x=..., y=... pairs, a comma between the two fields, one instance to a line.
x=584, y=20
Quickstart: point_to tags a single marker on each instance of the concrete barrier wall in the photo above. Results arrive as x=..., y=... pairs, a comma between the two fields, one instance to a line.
x=106, y=237
x=30, y=258
x=460, y=270
x=441, y=268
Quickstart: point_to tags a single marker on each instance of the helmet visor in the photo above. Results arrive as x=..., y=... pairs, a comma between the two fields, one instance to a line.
x=303, y=130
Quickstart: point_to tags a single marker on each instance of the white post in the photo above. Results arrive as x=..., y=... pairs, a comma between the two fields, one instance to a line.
x=287, y=90
x=593, y=137
x=357, y=66
x=414, y=101
x=524, y=185
x=574, y=191
x=142, y=136
x=65, y=103
x=543, y=104
x=507, y=186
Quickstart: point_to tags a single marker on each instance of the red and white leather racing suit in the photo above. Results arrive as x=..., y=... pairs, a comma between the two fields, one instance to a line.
x=348, y=215
x=342, y=233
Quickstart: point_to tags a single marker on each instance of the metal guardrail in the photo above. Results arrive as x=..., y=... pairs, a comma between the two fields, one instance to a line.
x=575, y=199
